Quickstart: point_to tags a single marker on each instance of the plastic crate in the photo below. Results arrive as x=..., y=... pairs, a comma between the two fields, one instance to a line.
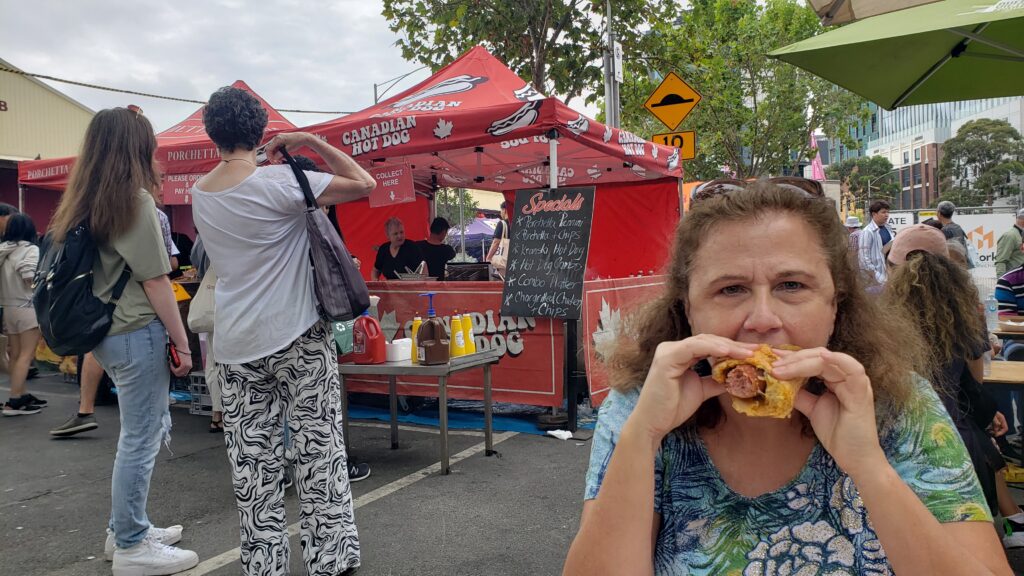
x=202, y=402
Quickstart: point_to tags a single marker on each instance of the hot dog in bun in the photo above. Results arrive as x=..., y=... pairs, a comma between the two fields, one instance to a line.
x=754, y=391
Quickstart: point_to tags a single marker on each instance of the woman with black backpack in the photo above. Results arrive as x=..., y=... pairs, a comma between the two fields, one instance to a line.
x=111, y=193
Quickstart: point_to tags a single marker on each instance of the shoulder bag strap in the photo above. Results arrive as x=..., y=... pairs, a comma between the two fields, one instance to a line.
x=126, y=275
x=300, y=176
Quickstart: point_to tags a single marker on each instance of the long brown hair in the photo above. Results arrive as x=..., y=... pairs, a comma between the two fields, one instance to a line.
x=946, y=305
x=115, y=163
x=889, y=347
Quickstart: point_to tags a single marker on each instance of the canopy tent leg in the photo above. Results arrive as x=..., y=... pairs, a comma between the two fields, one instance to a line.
x=21, y=198
x=569, y=376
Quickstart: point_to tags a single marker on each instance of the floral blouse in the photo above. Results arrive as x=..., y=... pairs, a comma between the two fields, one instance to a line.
x=816, y=524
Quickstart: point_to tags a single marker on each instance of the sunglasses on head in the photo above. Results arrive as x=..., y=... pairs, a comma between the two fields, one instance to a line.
x=809, y=188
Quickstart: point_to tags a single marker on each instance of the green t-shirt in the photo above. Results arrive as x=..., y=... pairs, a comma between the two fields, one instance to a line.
x=142, y=248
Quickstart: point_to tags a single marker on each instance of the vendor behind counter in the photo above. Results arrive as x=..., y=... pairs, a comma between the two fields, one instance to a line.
x=396, y=256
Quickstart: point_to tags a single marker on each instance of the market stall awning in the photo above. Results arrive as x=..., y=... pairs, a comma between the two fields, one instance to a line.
x=939, y=52
x=476, y=124
x=184, y=151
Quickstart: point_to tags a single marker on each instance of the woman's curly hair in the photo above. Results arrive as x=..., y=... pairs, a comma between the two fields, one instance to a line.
x=234, y=119
x=946, y=304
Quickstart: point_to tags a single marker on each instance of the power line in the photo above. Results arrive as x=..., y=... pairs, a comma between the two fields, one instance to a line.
x=146, y=94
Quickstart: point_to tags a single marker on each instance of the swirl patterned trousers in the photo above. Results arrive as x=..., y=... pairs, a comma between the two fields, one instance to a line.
x=300, y=382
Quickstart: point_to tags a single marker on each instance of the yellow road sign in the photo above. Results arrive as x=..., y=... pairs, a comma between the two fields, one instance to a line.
x=685, y=141
x=672, y=101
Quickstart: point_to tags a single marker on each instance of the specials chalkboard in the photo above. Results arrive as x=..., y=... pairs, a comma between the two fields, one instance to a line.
x=549, y=238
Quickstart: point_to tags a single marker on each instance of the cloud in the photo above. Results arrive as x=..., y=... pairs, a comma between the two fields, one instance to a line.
x=310, y=55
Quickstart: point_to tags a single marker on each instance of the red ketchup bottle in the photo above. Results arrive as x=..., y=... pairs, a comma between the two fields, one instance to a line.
x=367, y=341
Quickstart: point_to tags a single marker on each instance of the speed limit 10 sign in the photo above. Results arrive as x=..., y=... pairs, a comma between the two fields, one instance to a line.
x=685, y=141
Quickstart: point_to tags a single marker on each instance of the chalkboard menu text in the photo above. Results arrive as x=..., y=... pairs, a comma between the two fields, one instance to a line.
x=549, y=240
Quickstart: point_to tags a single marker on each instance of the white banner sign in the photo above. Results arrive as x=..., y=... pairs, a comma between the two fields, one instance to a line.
x=900, y=220
x=983, y=231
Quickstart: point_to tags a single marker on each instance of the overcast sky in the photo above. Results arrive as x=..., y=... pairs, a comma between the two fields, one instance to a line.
x=309, y=54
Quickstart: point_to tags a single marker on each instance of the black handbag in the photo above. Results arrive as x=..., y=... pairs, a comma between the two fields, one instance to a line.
x=337, y=283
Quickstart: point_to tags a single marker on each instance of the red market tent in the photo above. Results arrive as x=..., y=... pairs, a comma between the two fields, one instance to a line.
x=476, y=124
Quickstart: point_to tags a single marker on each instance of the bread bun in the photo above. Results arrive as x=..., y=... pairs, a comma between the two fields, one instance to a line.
x=775, y=397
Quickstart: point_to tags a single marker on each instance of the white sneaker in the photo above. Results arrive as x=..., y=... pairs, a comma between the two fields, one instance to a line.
x=167, y=536
x=151, y=558
x=1015, y=540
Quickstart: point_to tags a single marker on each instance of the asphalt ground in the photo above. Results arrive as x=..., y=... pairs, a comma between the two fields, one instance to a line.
x=513, y=514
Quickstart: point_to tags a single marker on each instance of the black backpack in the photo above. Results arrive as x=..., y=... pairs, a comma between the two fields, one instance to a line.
x=73, y=321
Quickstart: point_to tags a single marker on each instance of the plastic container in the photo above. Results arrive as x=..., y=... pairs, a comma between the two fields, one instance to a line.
x=416, y=322
x=368, y=345
x=399, y=349
x=432, y=338
x=457, y=343
x=467, y=330
x=992, y=313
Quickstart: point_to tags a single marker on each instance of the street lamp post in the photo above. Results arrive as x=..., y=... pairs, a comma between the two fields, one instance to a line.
x=867, y=198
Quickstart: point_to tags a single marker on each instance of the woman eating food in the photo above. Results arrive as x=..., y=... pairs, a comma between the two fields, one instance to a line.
x=767, y=417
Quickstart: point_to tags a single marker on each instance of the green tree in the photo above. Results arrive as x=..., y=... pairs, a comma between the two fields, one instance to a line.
x=982, y=162
x=865, y=178
x=555, y=45
x=448, y=205
x=757, y=113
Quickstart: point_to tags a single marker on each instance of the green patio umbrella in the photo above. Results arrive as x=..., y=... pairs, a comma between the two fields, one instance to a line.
x=941, y=52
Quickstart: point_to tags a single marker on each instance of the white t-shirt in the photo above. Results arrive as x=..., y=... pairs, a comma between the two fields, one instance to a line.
x=255, y=235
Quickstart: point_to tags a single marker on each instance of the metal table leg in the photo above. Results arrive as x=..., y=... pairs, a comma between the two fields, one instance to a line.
x=344, y=416
x=442, y=406
x=488, y=423
x=393, y=396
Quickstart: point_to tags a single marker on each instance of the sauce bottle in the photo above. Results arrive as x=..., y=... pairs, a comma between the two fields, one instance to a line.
x=368, y=341
x=457, y=345
x=416, y=322
x=432, y=338
x=467, y=329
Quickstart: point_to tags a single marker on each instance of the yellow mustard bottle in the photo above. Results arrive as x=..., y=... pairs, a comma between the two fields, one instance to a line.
x=467, y=329
x=457, y=346
x=416, y=321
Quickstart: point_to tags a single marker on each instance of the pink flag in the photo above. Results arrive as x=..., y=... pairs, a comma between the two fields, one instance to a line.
x=817, y=170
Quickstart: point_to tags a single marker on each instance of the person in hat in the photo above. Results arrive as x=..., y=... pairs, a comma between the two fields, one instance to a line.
x=1010, y=248
x=853, y=226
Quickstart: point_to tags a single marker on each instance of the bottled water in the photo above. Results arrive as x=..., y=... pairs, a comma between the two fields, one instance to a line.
x=991, y=313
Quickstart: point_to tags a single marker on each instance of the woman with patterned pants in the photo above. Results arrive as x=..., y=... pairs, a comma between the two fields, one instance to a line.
x=276, y=354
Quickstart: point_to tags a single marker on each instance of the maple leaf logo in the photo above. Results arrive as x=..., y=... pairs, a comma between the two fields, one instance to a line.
x=443, y=129
x=607, y=331
x=389, y=325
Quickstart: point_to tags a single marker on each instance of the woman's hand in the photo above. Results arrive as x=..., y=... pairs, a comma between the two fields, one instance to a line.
x=998, y=426
x=843, y=417
x=184, y=365
x=672, y=391
x=290, y=142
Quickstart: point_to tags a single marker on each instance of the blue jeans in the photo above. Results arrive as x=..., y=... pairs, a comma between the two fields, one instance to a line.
x=137, y=363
